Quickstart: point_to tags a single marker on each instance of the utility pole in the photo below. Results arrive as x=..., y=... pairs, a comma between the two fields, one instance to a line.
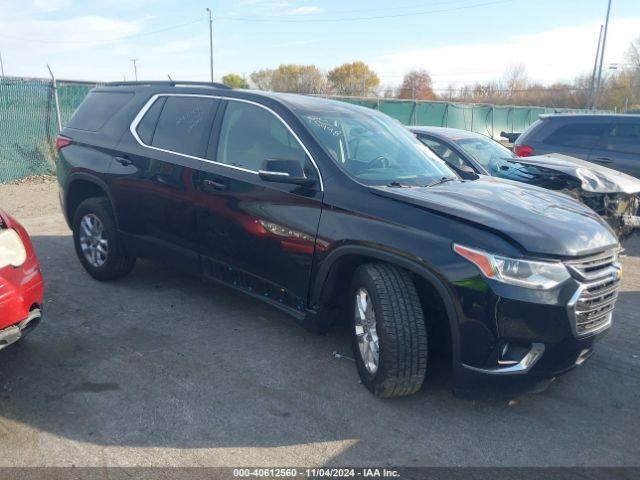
x=604, y=42
x=135, y=67
x=1, y=66
x=592, y=85
x=210, y=43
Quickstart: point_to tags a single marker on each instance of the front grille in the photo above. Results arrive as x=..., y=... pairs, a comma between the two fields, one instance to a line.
x=594, y=301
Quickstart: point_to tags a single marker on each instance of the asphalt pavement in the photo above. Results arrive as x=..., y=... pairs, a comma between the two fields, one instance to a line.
x=163, y=369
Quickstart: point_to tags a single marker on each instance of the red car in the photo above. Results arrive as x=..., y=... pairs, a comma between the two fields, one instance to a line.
x=21, y=287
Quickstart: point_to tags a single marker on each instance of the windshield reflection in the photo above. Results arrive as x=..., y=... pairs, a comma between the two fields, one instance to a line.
x=374, y=148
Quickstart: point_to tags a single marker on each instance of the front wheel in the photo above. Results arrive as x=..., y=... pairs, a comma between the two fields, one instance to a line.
x=389, y=334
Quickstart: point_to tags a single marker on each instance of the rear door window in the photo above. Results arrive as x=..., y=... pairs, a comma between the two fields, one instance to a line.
x=580, y=135
x=182, y=124
x=623, y=138
x=96, y=110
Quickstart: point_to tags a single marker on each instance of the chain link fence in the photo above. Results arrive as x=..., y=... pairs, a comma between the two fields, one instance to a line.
x=28, y=123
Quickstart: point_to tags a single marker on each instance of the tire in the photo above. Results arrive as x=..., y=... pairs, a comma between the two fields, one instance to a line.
x=115, y=263
x=400, y=328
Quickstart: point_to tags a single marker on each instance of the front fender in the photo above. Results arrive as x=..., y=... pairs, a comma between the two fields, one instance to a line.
x=403, y=260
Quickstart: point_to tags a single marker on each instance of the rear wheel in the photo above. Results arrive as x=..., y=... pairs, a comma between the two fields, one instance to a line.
x=389, y=334
x=95, y=237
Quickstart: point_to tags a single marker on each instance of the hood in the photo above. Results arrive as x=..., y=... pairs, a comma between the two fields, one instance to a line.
x=594, y=178
x=538, y=220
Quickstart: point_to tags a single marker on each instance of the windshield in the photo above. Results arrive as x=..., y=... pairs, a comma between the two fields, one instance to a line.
x=374, y=148
x=485, y=151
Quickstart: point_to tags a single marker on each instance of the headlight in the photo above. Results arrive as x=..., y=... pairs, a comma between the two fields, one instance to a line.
x=12, y=251
x=524, y=273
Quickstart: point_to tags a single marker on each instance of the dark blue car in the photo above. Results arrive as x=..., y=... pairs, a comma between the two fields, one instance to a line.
x=612, y=194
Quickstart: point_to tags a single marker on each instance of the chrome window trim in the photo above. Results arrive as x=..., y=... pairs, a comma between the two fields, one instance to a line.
x=138, y=118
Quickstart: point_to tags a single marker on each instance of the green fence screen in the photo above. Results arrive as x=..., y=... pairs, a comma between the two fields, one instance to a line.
x=28, y=122
x=488, y=120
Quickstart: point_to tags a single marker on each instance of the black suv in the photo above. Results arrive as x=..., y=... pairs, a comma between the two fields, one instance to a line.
x=328, y=210
x=611, y=140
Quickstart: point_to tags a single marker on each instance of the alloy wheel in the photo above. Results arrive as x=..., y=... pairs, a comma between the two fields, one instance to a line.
x=365, y=330
x=93, y=240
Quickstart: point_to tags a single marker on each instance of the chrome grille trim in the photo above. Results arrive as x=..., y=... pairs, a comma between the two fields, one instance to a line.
x=593, y=267
x=591, y=307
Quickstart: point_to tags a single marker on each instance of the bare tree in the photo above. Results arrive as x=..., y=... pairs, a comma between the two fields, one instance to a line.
x=290, y=78
x=262, y=79
x=633, y=54
x=515, y=79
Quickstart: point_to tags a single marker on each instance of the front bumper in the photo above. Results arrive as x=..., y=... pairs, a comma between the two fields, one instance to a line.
x=555, y=360
x=514, y=340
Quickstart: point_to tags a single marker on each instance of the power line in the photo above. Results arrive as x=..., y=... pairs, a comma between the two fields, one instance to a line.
x=352, y=19
x=379, y=9
x=110, y=40
x=257, y=19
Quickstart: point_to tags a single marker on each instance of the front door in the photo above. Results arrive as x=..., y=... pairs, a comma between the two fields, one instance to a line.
x=257, y=236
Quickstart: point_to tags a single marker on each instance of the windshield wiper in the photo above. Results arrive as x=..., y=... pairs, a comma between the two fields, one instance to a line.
x=395, y=184
x=442, y=180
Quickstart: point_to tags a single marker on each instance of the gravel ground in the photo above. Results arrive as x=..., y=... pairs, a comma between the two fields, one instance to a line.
x=161, y=369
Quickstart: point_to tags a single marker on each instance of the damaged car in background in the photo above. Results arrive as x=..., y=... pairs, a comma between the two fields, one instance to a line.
x=611, y=194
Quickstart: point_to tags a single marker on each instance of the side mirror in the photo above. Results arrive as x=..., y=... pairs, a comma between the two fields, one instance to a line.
x=285, y=171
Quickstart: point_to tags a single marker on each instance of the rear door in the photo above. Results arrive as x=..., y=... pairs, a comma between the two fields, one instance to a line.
x=152, y=179
x=619, y=148
x=257, y=236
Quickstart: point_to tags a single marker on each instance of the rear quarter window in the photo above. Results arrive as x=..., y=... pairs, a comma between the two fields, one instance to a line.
x=580, y=135
x=623, y=138
x=96, y=110
x=147, y=126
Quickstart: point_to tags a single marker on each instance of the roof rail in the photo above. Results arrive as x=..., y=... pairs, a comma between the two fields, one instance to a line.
x=167, y=83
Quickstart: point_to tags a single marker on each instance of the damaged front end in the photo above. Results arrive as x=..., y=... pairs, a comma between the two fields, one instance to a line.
x=613, y=195
x=620, y=210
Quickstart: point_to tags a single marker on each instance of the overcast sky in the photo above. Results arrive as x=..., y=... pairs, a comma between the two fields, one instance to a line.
x=457, y=41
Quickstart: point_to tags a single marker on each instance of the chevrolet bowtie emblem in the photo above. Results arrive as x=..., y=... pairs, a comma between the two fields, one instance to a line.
x=617, y=274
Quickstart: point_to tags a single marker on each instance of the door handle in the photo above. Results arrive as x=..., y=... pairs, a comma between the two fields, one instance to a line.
x=603, y=160
x=125, y=162
x=215, y=184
